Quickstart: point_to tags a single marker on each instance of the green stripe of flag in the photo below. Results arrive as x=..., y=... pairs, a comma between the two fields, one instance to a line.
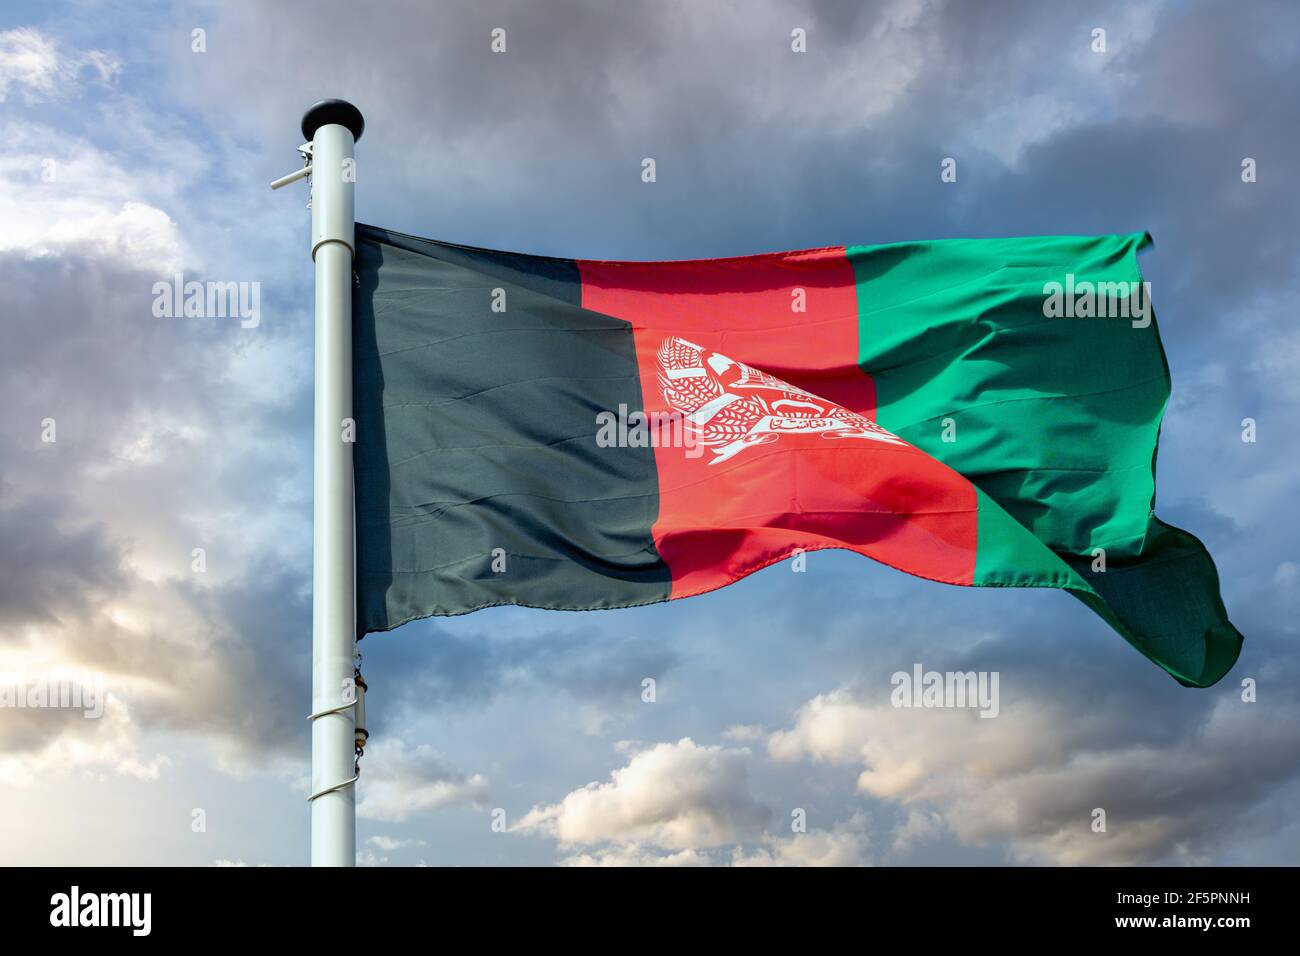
x=1054, y=418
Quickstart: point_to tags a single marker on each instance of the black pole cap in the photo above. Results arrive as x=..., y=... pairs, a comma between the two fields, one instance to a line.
x=332, y=111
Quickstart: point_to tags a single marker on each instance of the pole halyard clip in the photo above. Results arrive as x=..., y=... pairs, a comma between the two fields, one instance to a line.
x=355, y=765
x=358, y=706
x=305, y=151
x=359, y=682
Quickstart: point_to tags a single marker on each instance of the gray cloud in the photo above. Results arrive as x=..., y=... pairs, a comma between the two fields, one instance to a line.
x=53, y=570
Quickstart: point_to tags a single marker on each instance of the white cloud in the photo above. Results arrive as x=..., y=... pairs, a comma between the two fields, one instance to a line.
x=224, y=863
x=402, y=782
x=1032, y=777
x=635, y=855
x=845, y=844
x=135, y=233
x=684, y=804
x=676, y=796
x=61, y=195
x=389, y=844
x=34, y=65
x=65, y=742
x=919, y=826
x=744, y=733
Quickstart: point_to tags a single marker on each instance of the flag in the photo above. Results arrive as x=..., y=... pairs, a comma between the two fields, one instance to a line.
x=579, y=434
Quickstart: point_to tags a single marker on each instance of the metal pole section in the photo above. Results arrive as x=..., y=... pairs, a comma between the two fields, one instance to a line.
x=332, y=127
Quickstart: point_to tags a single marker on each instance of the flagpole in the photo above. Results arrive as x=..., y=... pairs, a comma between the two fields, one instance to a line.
x=332, y=127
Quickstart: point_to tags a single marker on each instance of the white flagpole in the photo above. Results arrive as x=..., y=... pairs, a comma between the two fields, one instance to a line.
x=332, y=127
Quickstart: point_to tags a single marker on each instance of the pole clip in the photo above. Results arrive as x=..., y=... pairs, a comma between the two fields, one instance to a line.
x=305, y=151
x=358, y=706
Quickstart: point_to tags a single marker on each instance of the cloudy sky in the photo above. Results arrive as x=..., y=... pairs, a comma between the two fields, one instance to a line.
x=128, y=155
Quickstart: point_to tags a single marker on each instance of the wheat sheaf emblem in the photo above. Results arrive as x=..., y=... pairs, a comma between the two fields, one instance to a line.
x=729, y=406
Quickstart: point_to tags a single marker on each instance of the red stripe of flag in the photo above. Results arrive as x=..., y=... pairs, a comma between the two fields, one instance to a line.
x=721, y=519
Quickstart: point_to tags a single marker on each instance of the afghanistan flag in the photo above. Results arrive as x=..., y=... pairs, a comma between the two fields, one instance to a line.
x=577, y=434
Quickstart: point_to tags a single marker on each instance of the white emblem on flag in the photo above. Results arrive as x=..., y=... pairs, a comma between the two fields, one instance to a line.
x=729, y=406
